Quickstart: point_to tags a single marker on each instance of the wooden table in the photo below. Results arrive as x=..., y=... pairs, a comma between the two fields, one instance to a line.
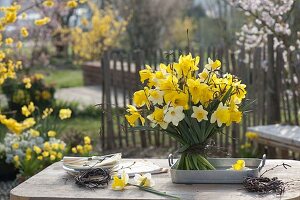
x=283, y=137
x=50, y=184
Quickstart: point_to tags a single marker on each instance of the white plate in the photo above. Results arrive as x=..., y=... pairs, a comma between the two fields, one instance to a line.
x=130, y=167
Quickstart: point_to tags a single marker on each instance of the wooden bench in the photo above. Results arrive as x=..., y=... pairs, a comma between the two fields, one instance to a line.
x=278, y=140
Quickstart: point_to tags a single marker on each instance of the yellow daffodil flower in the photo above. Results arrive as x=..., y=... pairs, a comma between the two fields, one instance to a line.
x=13, y=125
x=145, y=74
x=87, y=140
x=157, y=117
x=28, y=157
x=59, y=155
x=212, y=65
x=27, y=83
x=144, y=180
x=16, y=158
x=15, y=145
x=39, y=76
x=74, y=150
x=239, y=165
x=133, y=116
x=199, y=113
x=34, y=133
x=221, y=115
x=235, y=114
x=45, y=154
x=29, y=122
x=37, y=149
x=52, y=157
x=199, y=91
x=140, y=98
x=51, y=133
x=186, y=65
x=177, y=99
x=47, y=146
x=47, y=112
x=87, y=148
x=251, y=135
x=25, y=111
x=79, y=148
x=65, y=113
x=120, y=183
x=169, y=85
x=55, y=146
x=40, y=157
x=156, y=96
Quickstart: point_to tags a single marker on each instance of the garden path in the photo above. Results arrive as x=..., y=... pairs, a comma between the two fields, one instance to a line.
x=86, y=95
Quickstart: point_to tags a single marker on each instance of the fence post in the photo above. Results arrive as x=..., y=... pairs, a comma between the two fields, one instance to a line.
x=273, y=103
x=138, y=59
x=109, y=131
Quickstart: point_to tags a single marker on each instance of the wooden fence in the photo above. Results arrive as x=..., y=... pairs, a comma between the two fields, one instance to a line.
x=270, y=81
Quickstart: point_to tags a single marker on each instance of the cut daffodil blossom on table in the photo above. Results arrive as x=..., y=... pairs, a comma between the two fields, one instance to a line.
x=239, y=165
x=120, y=183
x=144, y=180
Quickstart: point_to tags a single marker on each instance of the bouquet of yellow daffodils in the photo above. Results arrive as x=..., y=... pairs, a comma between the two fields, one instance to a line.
x=189, y=106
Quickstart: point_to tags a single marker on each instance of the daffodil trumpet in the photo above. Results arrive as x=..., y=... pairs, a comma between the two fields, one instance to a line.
x=190, y=107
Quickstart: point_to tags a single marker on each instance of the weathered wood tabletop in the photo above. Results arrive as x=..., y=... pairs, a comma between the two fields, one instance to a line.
x=51, y=184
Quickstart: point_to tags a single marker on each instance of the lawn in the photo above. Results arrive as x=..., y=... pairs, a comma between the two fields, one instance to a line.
x=64, y=78
x=86, y=125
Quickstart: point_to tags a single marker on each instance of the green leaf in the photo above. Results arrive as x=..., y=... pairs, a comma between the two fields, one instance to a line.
x=227, y=95
x=246, y=106
x=142, y=128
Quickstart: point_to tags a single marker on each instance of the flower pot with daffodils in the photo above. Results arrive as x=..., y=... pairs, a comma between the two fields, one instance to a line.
x=190, y=104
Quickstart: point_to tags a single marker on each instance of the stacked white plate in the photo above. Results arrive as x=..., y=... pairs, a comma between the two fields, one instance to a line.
x=113, y=162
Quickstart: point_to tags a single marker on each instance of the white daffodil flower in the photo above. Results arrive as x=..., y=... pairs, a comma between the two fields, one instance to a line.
x=144, y=180
x=199, y=113
x=174, y=115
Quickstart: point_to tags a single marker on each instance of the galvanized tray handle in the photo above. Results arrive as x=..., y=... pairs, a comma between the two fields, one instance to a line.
x=262, y=163
x=170, y=160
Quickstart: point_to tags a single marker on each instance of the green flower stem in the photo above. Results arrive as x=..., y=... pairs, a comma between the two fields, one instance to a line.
x=151, y=190
x=193, y=161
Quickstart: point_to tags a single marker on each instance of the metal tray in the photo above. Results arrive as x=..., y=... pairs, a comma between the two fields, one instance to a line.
x=221, y=174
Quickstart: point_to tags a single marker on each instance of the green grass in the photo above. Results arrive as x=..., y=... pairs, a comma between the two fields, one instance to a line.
x=64, y=78
x=85, y=125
